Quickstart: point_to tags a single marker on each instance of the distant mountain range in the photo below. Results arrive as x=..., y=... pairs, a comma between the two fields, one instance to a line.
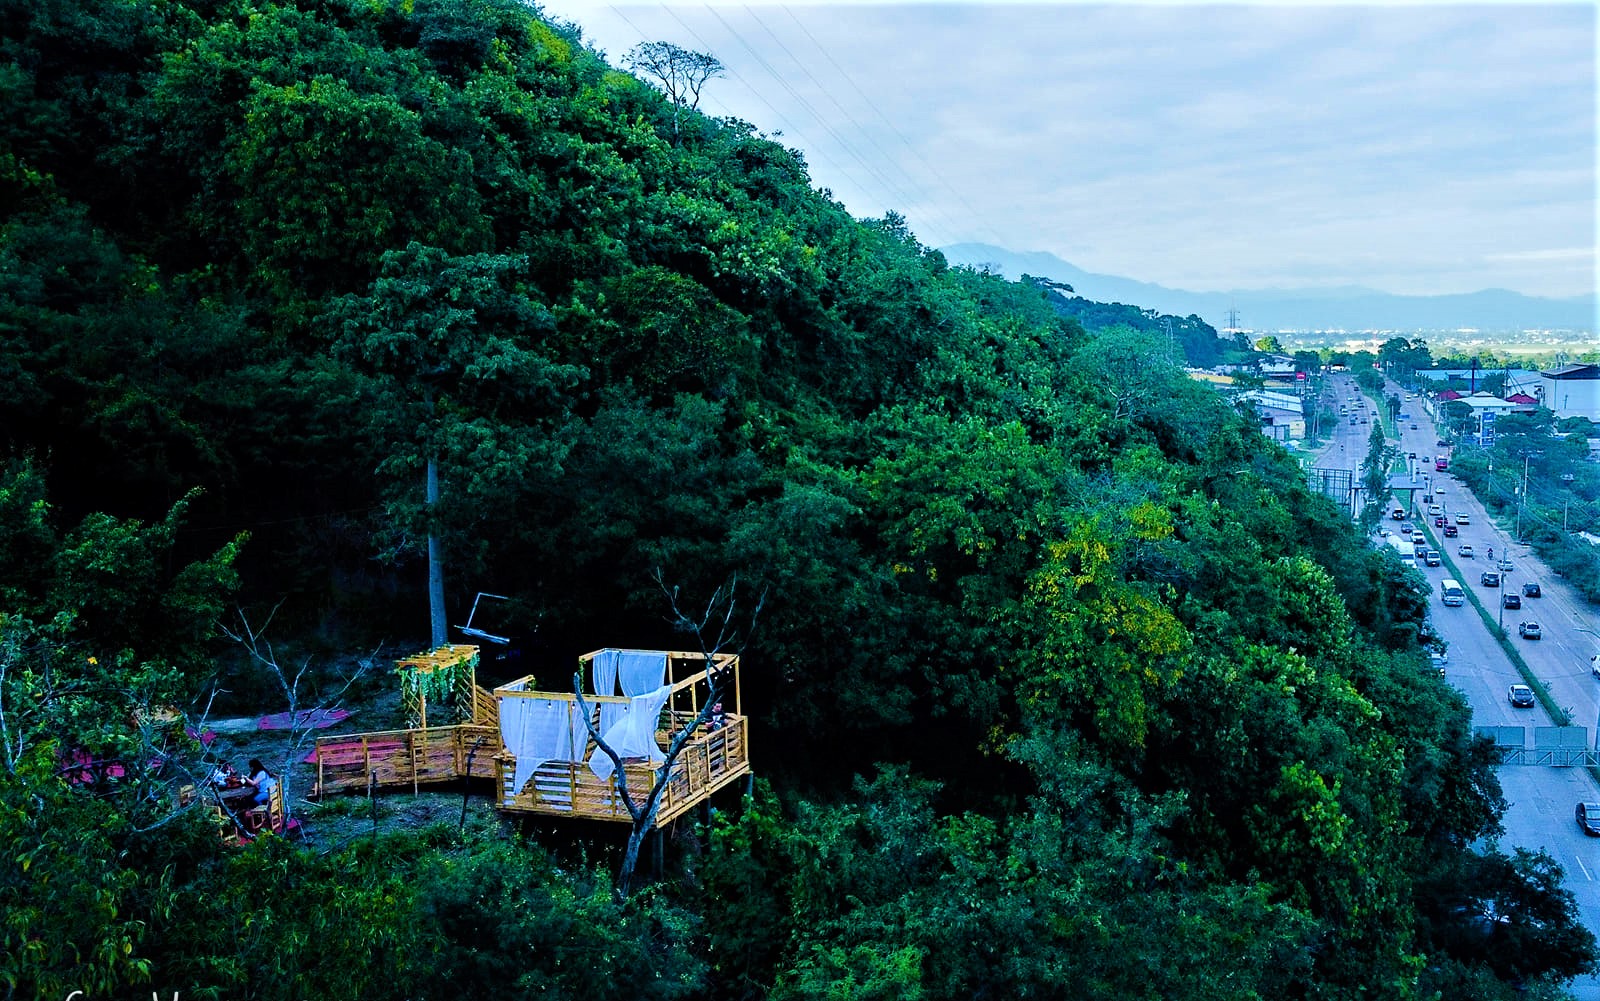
x=1339, y=308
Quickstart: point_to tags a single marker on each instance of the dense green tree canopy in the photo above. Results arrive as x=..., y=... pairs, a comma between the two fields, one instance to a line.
x=1066, y=684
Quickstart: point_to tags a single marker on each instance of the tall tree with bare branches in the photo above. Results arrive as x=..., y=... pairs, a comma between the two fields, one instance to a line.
x=720, y=629
x=302, y=719
x=679, y=72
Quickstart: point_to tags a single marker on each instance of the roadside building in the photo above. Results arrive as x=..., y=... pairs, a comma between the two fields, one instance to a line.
x=1282, y=417
x=1572, y=391
x=1525, y=404
x=1485, y=408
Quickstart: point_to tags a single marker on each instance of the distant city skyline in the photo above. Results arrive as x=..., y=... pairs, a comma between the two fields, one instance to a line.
x=1417, y=150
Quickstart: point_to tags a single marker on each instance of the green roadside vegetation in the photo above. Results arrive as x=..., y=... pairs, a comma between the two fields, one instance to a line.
x=1064, y=684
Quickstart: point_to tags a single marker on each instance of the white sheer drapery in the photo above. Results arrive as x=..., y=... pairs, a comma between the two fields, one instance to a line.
x=640, y=672
x=539, y=730
x=634, y=735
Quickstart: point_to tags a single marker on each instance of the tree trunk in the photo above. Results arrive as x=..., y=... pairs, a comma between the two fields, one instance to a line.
x=440, y=631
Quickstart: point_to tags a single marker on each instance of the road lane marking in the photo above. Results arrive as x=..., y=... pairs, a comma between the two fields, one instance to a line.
x=1583, y=867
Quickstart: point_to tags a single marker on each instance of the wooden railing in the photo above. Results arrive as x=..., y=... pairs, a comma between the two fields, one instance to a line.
x=399, y=758
x=710, y=760
x=485, y=708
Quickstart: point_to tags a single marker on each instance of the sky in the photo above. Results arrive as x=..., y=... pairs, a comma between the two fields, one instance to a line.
x=1416, y=149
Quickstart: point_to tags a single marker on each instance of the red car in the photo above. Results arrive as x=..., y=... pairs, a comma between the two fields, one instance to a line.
x=1438, y=522
x=1451, y=531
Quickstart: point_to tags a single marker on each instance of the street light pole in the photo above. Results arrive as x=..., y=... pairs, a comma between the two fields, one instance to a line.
x=1594, y=664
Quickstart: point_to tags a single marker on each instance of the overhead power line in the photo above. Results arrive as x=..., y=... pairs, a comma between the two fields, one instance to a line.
x=901, y=189
x=889, y=123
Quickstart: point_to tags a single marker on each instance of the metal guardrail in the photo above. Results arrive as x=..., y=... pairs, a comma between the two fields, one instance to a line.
x=1554, y=757
x=1553, y=746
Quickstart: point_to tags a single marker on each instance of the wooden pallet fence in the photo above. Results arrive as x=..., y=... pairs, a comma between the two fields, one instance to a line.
x=402, y=758
x=485, y=708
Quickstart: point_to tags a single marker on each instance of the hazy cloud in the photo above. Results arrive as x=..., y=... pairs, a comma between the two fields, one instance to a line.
x=1416, y=149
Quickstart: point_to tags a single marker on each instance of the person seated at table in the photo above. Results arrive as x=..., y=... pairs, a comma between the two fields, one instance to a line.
x=218, y=772
x=263, y=780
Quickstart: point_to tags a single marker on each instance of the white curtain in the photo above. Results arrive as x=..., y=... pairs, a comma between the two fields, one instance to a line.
x=540, y=730
x=603, y=675
x=642, y=671
x=634, y=735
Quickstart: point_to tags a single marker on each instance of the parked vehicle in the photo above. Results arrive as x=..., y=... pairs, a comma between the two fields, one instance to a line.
x=1529, y=630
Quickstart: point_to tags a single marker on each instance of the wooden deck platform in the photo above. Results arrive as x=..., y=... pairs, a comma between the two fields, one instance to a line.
x=405, y=758
x=710, y=760
x=716, y=755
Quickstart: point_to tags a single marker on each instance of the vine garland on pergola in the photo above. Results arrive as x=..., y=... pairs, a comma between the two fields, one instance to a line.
x=440, y=681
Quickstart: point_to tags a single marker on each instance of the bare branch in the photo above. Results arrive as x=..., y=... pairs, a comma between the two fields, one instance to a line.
x=679, y=72
x=250, y=639
x=720, y=611
x=620, y=776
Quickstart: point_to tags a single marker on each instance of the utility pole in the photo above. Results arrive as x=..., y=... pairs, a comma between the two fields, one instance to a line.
x=1522, y=496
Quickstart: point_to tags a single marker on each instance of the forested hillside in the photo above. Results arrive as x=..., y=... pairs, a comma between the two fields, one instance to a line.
x=1064, y=685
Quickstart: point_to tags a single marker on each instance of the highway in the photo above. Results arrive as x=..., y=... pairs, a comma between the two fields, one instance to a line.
x=1540, y=799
